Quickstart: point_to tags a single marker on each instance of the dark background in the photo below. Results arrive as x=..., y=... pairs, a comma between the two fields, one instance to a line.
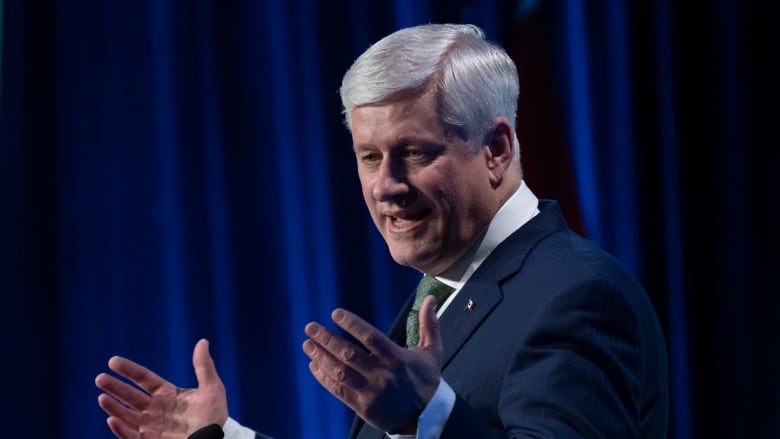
x=171, y=170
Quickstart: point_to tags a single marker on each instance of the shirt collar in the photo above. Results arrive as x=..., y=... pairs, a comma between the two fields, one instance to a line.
x=516, y=211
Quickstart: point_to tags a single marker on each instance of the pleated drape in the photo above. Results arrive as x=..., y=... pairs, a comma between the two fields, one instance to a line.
x=172, y=170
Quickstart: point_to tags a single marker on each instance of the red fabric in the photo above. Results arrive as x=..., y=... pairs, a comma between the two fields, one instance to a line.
x=540, y=127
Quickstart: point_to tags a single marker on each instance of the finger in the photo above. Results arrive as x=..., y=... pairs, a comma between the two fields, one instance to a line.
x=205, y=369
x=338, y=389
x=141, y=376
x=121, y=430
x=112, y=407
x=430, y=334
x=324, y=342
x=338, y=370
x=373, y=339
x=119, y=389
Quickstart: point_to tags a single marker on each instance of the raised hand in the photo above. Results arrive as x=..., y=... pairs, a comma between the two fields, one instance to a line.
x=383, y=383
x=156, y=408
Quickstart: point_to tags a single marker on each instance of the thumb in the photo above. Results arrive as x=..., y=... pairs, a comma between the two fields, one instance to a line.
x=205, y=370
x=430, y=334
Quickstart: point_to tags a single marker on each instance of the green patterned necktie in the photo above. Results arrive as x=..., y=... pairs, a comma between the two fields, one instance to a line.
x=427, y=286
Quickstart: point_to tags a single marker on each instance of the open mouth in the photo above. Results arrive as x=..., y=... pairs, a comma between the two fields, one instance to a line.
x=407, y=221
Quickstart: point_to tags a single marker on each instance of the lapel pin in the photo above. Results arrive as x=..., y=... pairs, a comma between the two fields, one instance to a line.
x=470, y=305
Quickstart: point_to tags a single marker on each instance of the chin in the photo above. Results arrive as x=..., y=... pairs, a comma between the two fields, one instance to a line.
x=409, y=259
x=426, y=265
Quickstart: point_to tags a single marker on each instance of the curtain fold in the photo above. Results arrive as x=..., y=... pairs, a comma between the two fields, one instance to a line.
x=173, y=170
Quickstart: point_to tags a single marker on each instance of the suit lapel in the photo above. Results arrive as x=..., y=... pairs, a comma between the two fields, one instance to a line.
x=361, y=430
x=482, y=292
x=464, y=314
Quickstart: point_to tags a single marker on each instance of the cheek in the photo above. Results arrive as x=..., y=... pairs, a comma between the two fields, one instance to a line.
x=454, y=193
x=369, y=201
x=365, y=187
x=371, y=205
x=466, y=205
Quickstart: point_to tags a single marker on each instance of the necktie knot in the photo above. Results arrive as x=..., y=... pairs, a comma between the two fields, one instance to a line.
x=428, y=286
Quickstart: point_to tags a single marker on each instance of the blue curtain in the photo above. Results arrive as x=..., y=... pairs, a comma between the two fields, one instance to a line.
x=171, y=170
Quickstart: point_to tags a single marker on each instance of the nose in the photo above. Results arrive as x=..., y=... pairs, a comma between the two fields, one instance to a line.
x=390, y=183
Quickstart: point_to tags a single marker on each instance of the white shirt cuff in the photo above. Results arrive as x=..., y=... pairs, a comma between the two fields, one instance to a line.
x=434, y=417
x=234, y=430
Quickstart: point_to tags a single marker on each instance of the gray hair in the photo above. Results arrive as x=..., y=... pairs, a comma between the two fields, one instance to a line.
x=473, y=80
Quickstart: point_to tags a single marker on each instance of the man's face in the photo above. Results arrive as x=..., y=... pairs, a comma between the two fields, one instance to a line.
x=429, y=195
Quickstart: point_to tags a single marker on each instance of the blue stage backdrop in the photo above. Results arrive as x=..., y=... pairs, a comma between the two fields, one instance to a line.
x=172, y=170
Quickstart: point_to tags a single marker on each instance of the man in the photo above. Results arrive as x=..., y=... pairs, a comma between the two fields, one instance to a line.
x=538, y=334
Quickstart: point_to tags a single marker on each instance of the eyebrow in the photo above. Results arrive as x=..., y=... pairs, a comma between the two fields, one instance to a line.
x=401, y=142
x=417, y=141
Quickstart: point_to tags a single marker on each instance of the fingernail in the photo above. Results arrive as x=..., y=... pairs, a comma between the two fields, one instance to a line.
x=338, y=315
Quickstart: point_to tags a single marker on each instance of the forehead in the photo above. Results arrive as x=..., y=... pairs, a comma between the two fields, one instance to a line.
x=382, y=123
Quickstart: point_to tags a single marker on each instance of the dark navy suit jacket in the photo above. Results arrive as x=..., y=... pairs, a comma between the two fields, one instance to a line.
x=561, y=342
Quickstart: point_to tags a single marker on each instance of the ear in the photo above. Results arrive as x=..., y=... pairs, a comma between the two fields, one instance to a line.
x=500, y=150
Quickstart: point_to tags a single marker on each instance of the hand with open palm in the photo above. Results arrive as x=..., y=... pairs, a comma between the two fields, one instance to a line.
x=155, y=408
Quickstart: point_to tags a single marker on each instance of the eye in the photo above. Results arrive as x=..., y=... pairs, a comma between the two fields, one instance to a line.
x=370, y=158
x=415, y=154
